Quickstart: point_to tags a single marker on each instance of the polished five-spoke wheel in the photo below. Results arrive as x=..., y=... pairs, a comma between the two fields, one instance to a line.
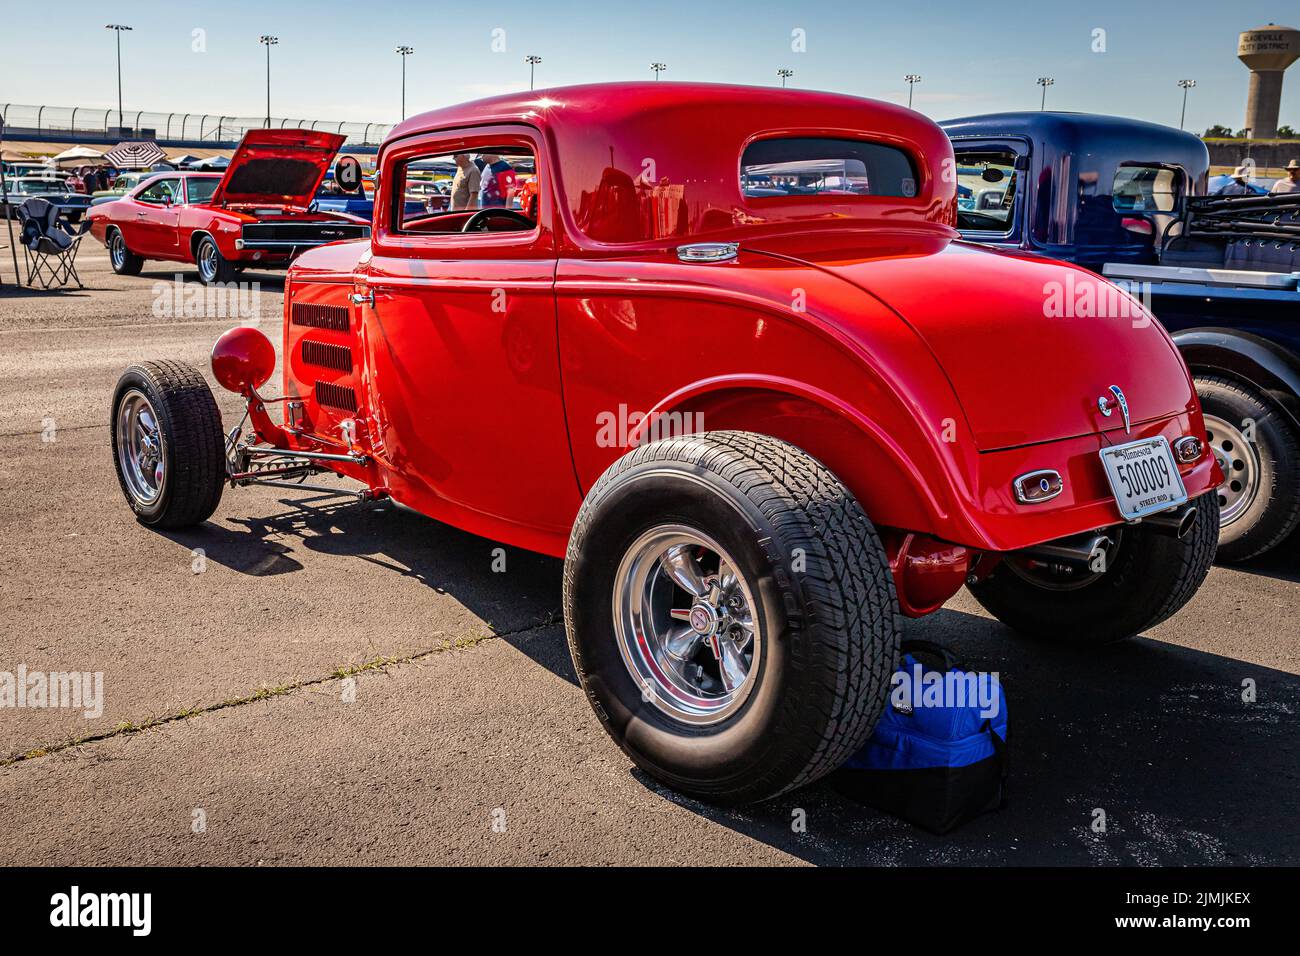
x=731, y=614
x=685, y=624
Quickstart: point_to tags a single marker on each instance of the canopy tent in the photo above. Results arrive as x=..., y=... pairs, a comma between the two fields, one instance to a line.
x=80, y=156
x=185, y=159
x=213, y=162
x=135, y=155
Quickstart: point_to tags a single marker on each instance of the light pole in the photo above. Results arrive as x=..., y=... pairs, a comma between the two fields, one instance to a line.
x=532, y=60
x=1186, y=85
x=784, y=74
x=117, y=29
x=658, y=68
x=268, y=41
x=404, y=52
x=912, y=80
x=1044, y=82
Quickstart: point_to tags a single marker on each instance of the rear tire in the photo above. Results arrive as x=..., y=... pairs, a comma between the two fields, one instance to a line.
x=810, y=575
x=123, y=260
x=168, y=448
x=1260, y=499
x=1147, y=581
x=213, y=266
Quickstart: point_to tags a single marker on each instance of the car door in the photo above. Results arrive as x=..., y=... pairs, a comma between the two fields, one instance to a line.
x=152, y=219
x=461, y=346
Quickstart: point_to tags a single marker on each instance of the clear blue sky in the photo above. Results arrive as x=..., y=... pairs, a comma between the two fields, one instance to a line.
x=336, y=60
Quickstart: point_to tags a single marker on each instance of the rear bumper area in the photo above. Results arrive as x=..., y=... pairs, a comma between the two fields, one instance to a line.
x=1001, y=523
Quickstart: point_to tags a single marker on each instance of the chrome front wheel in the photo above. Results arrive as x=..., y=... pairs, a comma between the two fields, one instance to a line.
x=117, y=251
x=684, y=620
x=140, y=454
x=209, y=262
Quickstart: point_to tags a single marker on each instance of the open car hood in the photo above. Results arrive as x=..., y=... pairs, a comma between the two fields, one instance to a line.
x=282, y=167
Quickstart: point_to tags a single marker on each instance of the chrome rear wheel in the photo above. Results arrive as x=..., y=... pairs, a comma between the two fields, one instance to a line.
x=684, y=619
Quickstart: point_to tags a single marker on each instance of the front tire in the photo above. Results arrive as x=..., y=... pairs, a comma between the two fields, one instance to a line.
x=1259, y=451
x=168, y=448
x=213, y=266
x=731, y=614
x=1149, y=578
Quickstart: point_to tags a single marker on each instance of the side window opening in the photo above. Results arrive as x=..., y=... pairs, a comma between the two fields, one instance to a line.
x=987, y=190
x=483, y=190
x=163, y=190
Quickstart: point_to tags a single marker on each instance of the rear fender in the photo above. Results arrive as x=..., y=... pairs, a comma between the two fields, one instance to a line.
x=894, y=490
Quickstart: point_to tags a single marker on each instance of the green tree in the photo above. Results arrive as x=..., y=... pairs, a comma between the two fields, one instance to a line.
x=1286, y=132
x=1218, y=131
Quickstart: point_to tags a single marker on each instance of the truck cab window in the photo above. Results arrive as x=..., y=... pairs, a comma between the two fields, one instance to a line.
x=987, y=187
x=1145, y=189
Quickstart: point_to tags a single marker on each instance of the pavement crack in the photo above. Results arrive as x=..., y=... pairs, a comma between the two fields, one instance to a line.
x=374, y=665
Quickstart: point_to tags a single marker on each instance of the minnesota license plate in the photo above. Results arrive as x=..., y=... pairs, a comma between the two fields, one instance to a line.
x=1143, y=477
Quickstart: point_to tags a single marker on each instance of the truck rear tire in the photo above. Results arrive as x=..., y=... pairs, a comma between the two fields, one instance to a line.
x=731, y=614
x=1148, y=579
x=167, y=444
x=1260, y=454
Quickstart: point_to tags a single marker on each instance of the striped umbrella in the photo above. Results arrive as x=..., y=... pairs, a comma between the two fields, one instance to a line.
x=137, y=155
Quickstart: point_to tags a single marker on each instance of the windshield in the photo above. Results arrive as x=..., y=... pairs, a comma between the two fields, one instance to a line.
x=986, y=190
x=806, y=166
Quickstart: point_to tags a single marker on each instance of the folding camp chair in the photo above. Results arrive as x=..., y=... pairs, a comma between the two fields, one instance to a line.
x=49, y=244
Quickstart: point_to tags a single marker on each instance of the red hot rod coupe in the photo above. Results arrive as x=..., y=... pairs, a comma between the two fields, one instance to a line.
x=259, y=213
x=737, y=368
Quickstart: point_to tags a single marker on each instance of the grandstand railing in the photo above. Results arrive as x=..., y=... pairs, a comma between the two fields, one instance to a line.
x=171, y=129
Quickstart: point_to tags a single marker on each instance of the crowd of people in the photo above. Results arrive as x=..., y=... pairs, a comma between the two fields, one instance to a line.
x=1241, y=183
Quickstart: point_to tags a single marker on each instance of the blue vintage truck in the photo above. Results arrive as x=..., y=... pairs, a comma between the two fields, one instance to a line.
x=1126, y=199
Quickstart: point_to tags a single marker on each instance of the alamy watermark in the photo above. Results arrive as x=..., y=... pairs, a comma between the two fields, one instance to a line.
x=916, y=688
x=624, y=429
x=66, y=690
x=179, y=299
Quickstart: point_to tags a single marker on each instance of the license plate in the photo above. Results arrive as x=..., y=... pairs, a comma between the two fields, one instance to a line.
x=1143, y=477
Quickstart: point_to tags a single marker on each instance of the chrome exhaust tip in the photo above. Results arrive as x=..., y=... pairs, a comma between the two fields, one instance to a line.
x=1078, y=549
x=1178, y=523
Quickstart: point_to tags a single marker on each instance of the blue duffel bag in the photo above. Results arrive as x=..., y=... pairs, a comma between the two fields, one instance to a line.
x=937, y=758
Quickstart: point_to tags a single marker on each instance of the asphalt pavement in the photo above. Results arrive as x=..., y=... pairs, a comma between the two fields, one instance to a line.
x=306, y=679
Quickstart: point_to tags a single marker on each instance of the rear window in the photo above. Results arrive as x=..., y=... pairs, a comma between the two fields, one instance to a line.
x=825, y=168
x=1145, y=189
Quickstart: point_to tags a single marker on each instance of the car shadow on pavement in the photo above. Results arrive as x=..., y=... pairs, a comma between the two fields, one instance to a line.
x=1154, y=736
x=188, y=275
x=1282, y=563
x=514, y=591
x=10, y=291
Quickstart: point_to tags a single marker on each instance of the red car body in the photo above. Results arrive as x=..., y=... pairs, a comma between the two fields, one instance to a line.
x=478, y=376
x=268, y=186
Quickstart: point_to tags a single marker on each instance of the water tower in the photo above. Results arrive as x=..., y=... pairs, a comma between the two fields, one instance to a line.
x=1267, y=51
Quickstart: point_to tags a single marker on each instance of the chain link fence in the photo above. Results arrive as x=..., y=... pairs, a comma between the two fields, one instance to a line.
x=168, y=129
